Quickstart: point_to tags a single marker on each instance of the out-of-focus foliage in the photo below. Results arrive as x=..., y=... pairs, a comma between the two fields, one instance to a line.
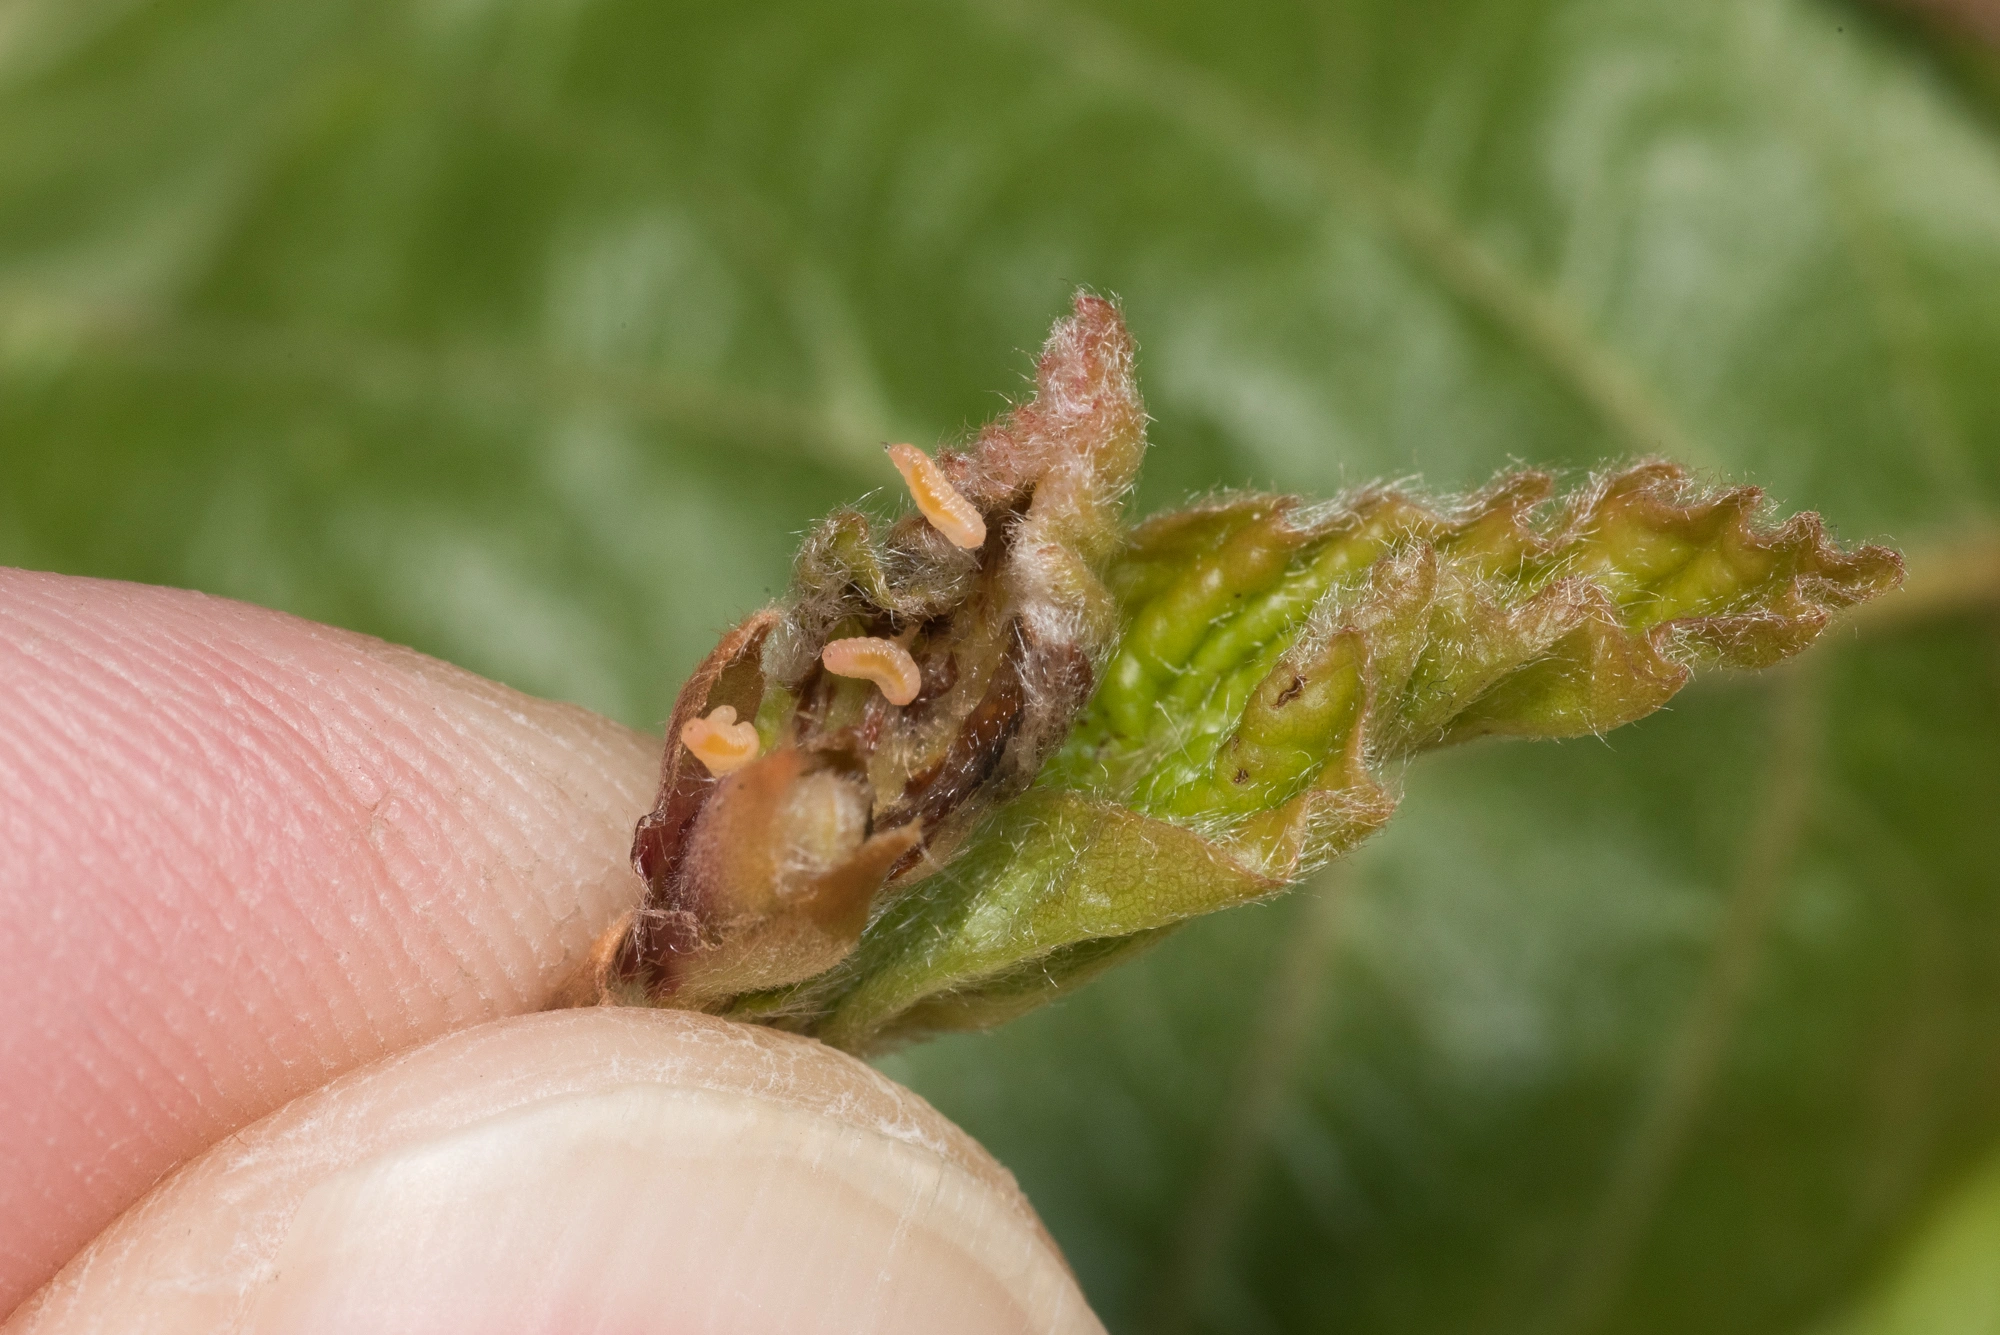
x=530, y=332
x=1948, y=1284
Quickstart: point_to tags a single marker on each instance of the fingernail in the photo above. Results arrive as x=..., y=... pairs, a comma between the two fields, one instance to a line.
x=647, y=1208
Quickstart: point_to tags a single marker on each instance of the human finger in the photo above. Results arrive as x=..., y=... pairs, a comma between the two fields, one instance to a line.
x=241, y=853
x=604, y=1171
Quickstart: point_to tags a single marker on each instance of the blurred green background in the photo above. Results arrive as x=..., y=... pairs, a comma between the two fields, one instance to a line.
x=530, y=332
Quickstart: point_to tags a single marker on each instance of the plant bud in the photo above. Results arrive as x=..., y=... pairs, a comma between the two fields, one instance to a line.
x=912, y=680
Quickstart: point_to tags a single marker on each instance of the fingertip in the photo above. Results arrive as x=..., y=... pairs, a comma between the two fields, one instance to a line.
x=595, y=1170
x=243, y=853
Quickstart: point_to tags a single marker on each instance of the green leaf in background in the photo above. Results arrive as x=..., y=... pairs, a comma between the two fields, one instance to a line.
x=1948, y=1284
x=530, y=331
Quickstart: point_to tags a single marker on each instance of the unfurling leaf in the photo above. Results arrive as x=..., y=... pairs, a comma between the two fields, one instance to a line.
x=1106, y=733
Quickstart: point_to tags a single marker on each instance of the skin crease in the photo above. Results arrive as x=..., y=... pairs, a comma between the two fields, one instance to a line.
x=242, y=855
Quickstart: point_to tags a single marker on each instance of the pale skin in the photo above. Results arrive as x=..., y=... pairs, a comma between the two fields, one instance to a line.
x=261, y=873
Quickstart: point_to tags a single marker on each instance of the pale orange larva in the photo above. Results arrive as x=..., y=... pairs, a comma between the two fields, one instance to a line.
x=948, y=511
x=883, y=662
x=720, y=742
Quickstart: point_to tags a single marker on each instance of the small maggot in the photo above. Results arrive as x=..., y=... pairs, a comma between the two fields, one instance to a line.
x=948, y=511
x=883, y=662
x=720, y=742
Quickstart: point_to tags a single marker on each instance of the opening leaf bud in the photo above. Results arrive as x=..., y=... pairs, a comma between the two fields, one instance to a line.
x=1006, y=741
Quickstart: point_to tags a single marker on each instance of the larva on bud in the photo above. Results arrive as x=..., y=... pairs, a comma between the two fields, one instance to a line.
x=949, y=512
x=720, y=742
x=767, y=881
x=883, y=662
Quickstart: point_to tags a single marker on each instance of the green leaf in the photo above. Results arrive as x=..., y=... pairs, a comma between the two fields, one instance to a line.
x=1948, y=1283
x=531, y=333
x=1276, y=659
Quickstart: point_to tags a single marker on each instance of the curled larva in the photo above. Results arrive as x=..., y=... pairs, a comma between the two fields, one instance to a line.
x=720, y=742
x=949, y=512
x=883, y=662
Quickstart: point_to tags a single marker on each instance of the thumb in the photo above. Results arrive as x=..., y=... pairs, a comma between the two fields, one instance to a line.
x=585, y=1171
